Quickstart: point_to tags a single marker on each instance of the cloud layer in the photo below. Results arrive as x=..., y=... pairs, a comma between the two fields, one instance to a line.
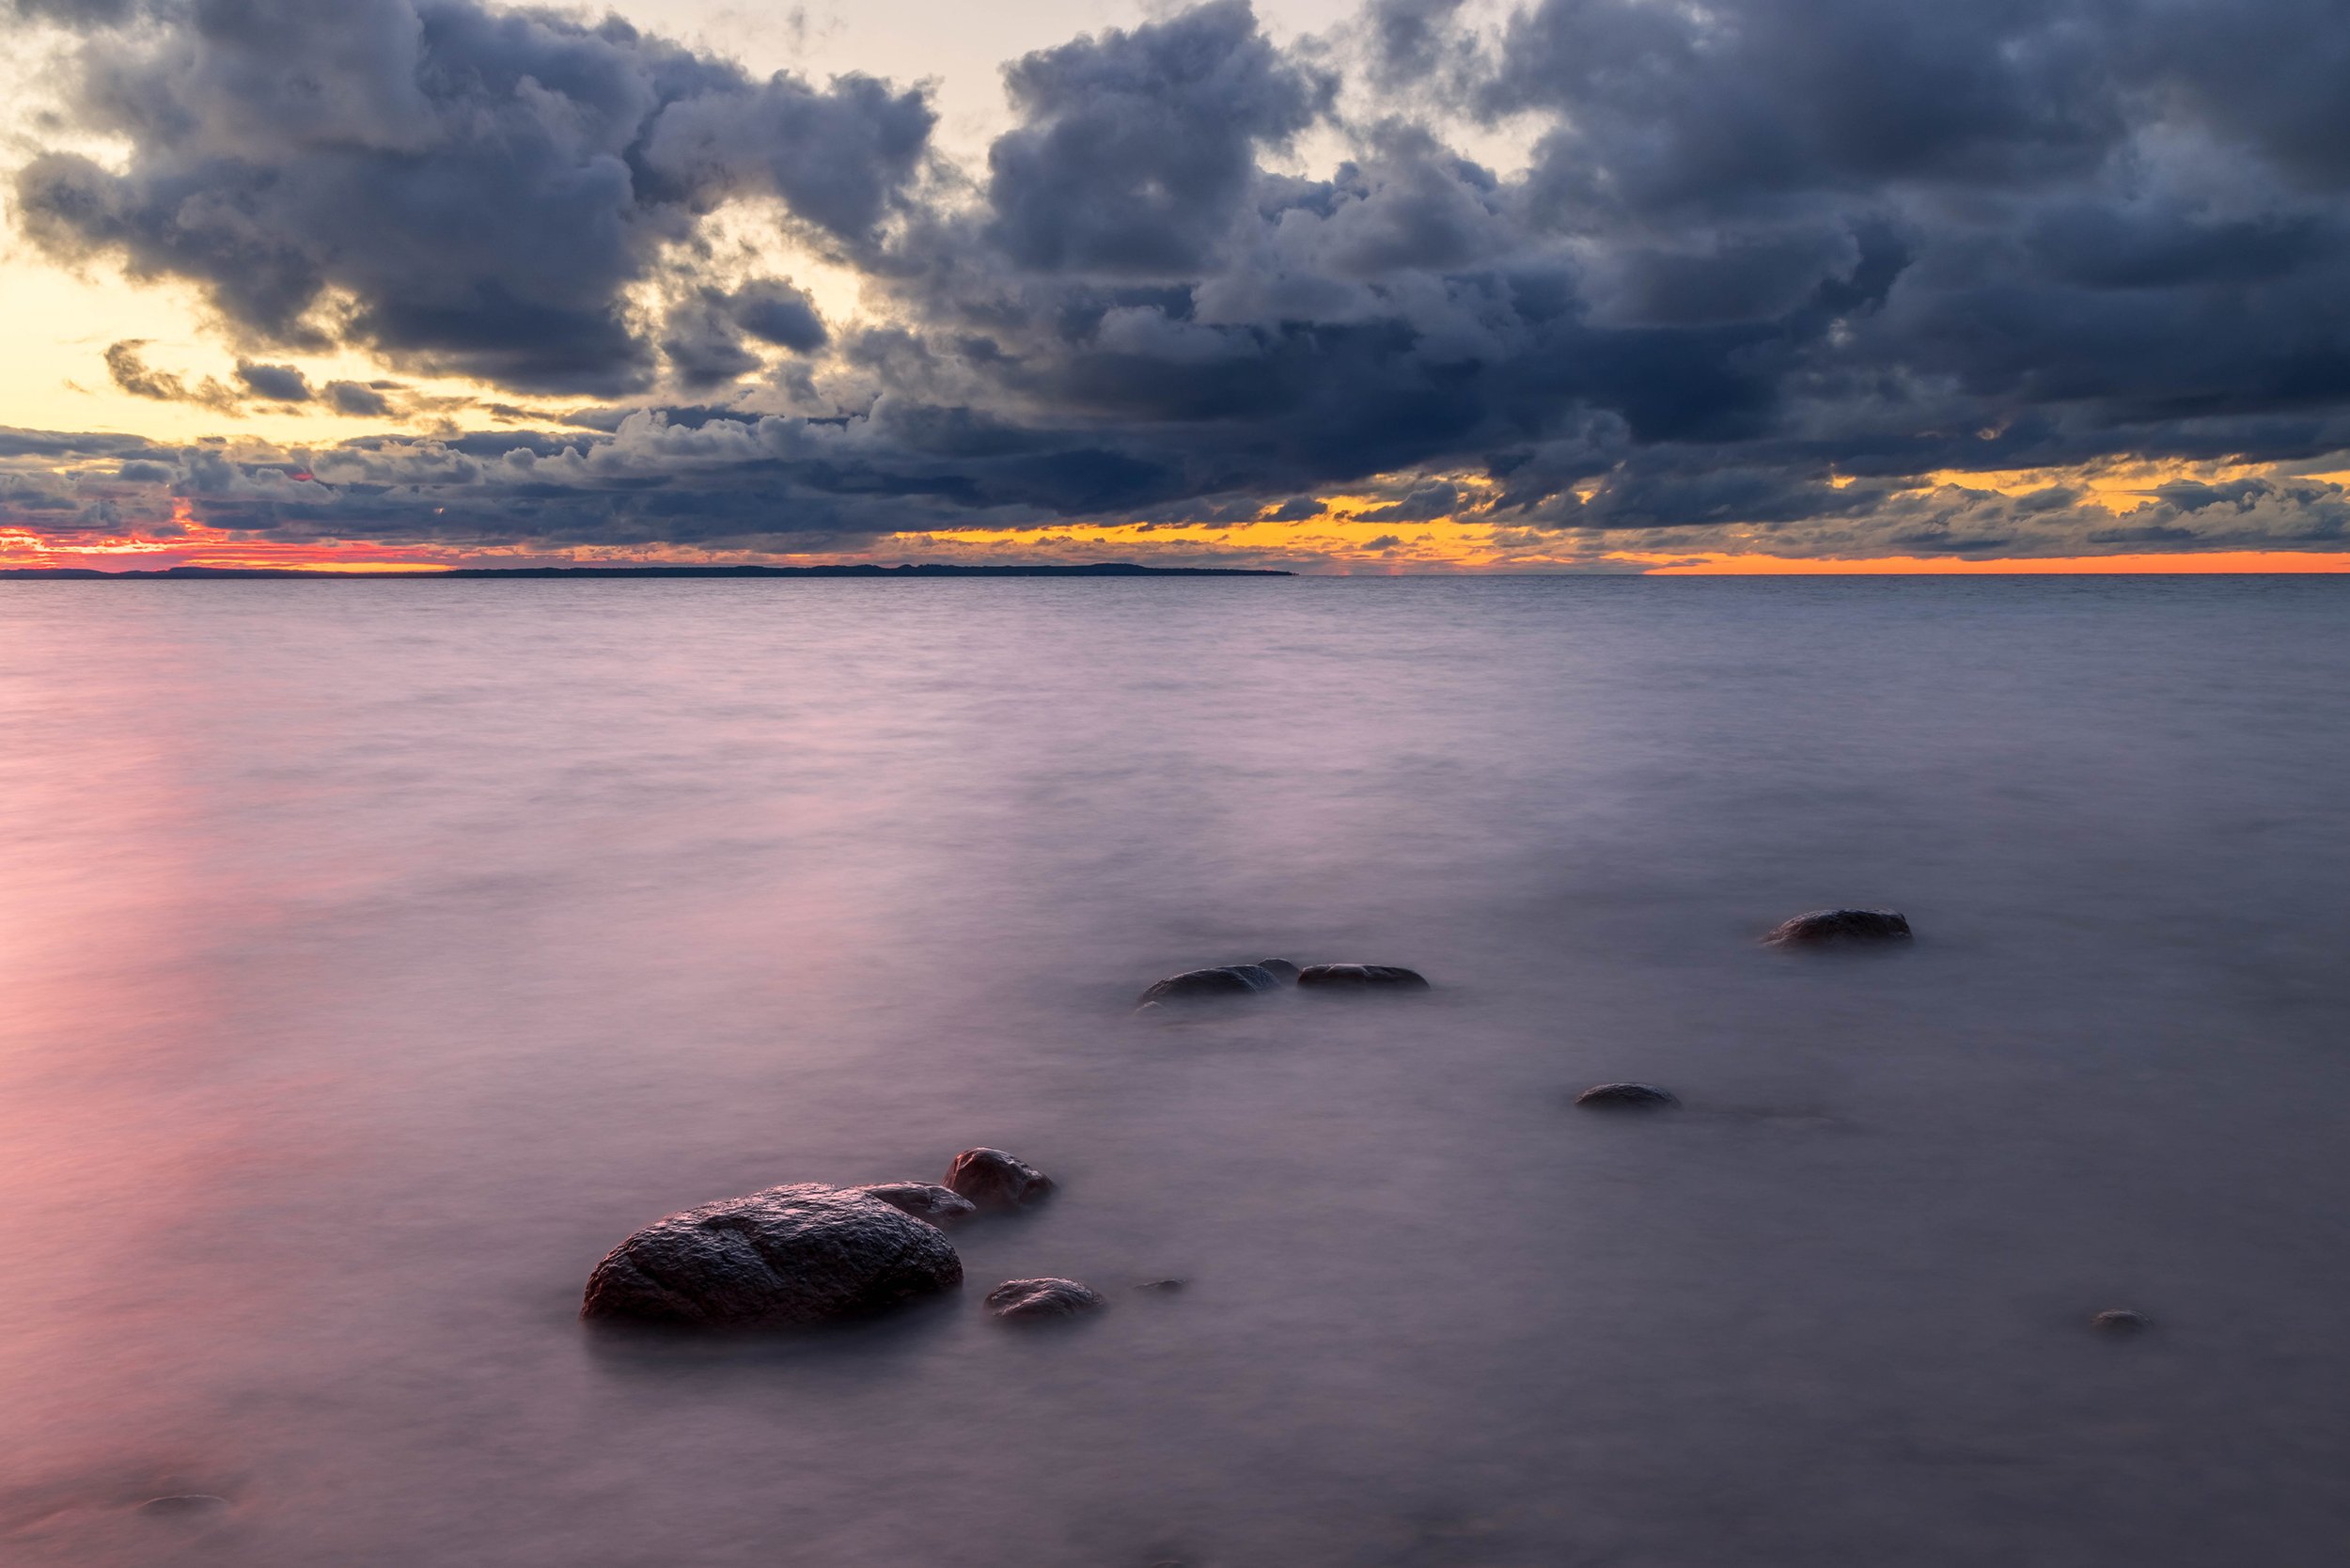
x=1772, y=265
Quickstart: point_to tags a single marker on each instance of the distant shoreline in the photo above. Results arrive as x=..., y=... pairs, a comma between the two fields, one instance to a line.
x=215, y=573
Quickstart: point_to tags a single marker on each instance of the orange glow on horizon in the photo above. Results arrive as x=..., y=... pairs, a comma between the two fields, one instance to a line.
x=2211, y=563
x=1331, y=544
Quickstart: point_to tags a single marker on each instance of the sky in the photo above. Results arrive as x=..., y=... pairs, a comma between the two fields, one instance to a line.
x=1399, y=285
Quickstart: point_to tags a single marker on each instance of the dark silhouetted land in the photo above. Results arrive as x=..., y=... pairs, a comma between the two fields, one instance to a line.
x=1098, y=569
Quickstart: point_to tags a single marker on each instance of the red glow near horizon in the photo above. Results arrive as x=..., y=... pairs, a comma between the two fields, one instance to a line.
x=200, y=545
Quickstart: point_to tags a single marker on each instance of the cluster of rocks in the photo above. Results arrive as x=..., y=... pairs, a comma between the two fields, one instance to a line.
x=808, y=1254
x=1268, y=975
x=1820, y=928
x=1826, y=928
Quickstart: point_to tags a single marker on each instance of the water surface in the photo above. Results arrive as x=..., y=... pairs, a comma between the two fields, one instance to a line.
x=373, y=956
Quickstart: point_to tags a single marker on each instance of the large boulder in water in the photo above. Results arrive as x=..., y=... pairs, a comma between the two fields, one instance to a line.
x=789, y=1256
x=995, y=1180
x=1044, y=1298
x=1824, y=928
x=1360, y=976
x=923, y=1201
x=1231, y=980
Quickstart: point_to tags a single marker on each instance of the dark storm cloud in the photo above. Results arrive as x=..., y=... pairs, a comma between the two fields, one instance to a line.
x=1771, y=263
x=703, y=332
x=838, y=159
x=1413, y=39
x=1731, y=111
x=126, y=367
x=1137, y=150
x=258, y=385
x=55, y=445
x=774, y=312
x=351, y=398
x=462, y=188
x=276, y=383
x=80, y=14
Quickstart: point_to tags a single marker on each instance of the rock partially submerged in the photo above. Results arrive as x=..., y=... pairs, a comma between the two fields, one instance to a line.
x=1230, y=979
x=1044, y=1298
x=1836, y=927
x=2120, y=1320
x=182, y=1504
x=1627, y=1097
x=1360, y=976
x=791, y=1255
x=993, y=1180
x=923, y=1201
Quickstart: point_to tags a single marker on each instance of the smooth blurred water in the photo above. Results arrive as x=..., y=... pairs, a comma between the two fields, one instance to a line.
x=373, y=956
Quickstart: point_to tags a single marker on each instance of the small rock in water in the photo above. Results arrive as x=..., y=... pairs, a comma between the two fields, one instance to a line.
x=923, y=1201
x=788, y=1256
x=1231, y=980
x=995, y=1180
x=1828, y=927
x=1626, y=1097
x=181, y=1503
x=2120, y=1320
x=1044, y=1298
x=1162, y=1285
x=1360, y=976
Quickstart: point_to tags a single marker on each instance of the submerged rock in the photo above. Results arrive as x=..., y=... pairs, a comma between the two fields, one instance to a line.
x=1360, y=976
x=1826, y=927
x=786, y=1257
x=1279, y=968
x=993, y=1180
x=1044, y=1298
x=923, y=1201
x=182, y=1503
x=1231, y=980
x=1626, y=1097
x=1163, y=1286
x=2120, y=1320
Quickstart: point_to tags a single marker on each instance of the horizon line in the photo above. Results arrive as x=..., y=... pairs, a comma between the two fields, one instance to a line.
x=1615, y=564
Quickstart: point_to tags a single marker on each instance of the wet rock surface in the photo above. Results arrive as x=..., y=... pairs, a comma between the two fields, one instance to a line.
x=1360, y=976
x=1279, y=968
x=1837, y=927
x=1044, y=1298
x=2120, y=1322
x=993, y=1180
x=1230, y=979
x=923, y=1201
x=789, y=1256
x=1626, y=1096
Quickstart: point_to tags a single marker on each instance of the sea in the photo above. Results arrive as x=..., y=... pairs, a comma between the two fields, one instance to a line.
x=376, y=955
